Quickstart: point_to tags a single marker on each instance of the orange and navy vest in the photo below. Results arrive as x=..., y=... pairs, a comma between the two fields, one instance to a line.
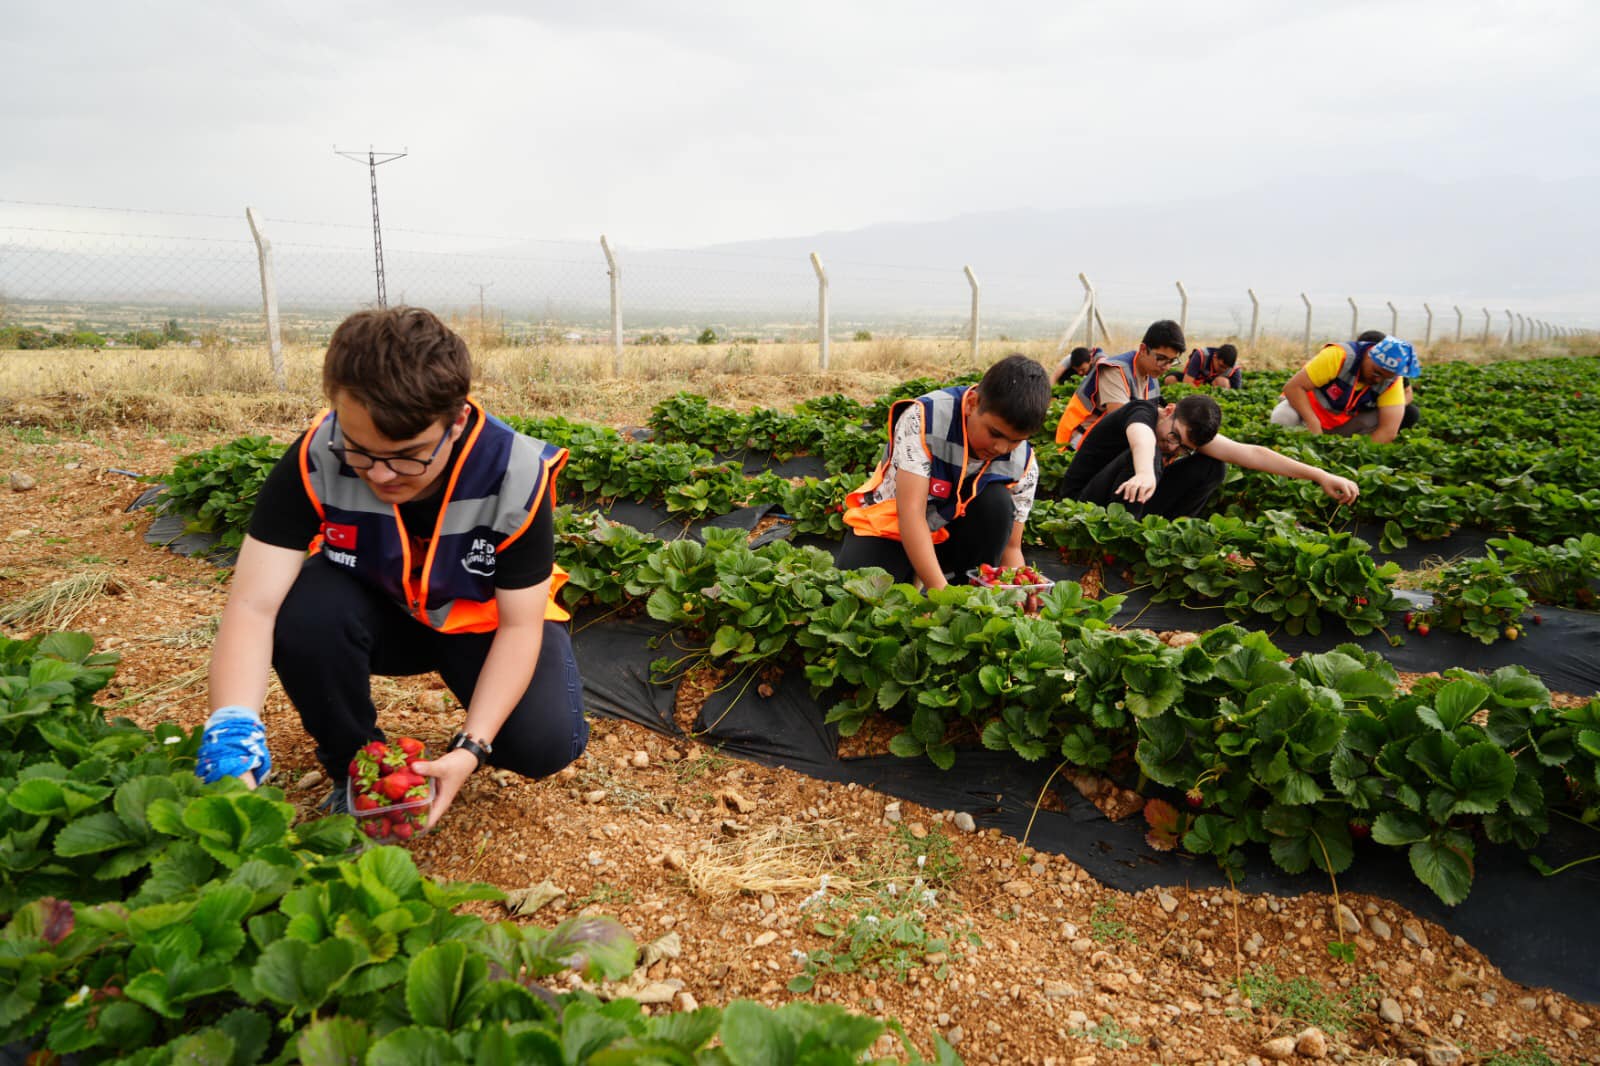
x=944, y=438
x=1085, y=408
x=1206, y=376
x=490, y=498
x=1343, y=397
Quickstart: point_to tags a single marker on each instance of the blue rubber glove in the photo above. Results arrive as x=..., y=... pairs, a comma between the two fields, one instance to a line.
x=234, y=743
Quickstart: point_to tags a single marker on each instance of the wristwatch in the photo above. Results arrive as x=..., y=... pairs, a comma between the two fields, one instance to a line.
x=480, y=749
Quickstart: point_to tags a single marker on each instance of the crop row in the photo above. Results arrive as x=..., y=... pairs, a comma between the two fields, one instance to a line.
x=1303, y=756
x=152, y=919
x=1267, y=565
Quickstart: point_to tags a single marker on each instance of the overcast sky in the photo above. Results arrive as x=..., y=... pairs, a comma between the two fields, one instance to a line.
x=676, y=125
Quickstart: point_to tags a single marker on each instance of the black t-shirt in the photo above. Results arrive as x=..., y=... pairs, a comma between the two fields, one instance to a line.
x=1106, y=442
x=285, y=518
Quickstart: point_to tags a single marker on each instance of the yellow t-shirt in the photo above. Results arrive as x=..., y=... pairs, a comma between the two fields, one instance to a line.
x=1324, y=367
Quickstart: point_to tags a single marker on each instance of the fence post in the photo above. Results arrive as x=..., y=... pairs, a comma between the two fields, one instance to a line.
x=1458, y=322
x=1487, y=321
x=616, y=307
x=1307, y=301
x=1511, y=328
x=1255, y=318
x=972, y=279
x=1427, y=336
x=822, y=310
x=1394, y=319
x=1183, y=309
x=269, y=298
x=1072, y=327
x=1089, y=301
x=1355, y=318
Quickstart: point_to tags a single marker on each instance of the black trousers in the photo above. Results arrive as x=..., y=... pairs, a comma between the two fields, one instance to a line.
x=1183, y=488
x=978, y=536
x=334, y=632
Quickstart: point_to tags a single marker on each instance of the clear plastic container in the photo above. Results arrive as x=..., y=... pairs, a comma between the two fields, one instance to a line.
x=976, y=577
x=388, y=820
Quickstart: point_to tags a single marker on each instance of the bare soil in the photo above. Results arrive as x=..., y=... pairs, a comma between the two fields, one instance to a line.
x=711, y=861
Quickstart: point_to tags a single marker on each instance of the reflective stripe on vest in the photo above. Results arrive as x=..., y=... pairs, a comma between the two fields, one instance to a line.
x=490, y=499
x=872, y=514
x=1340, y=399
x=1085, y=408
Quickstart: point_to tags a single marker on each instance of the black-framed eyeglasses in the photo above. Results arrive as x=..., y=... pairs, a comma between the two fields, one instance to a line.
x=403, y=465
x=1176, y=440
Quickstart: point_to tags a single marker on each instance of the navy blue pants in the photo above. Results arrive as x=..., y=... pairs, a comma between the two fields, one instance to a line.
x=334, y=632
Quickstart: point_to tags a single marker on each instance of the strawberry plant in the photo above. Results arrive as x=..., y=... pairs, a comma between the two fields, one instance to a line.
x=217, y=488
x=1477, y=597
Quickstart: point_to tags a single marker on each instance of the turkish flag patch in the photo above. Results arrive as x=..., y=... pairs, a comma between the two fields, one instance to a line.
x=939, y=490
x=339, y=536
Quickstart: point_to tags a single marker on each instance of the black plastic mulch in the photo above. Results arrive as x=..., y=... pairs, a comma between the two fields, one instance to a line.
x=1535, y=929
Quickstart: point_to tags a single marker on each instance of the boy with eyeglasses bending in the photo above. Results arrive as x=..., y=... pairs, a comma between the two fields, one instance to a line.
x=1170, y=461
x=430, y=531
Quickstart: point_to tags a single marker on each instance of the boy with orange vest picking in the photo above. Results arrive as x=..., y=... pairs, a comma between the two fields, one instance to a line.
x=957, y=479
x=407, y=531
x=1114, y=380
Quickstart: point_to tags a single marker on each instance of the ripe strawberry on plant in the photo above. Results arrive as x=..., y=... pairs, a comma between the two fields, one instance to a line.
x=1360, y=828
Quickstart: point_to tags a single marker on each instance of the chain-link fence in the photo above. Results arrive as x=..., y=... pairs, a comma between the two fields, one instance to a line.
x=141, y=277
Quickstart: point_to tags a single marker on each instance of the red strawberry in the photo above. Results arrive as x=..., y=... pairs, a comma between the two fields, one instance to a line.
x=411, y=746
x=1109, y=558
x=403, y=830
x=1422, y=629
x=376, y=828
x=1360, y=829
x=394, y=786
x=375, y=750
x=364, y=802
x=1195, y=798
x=1361, y=601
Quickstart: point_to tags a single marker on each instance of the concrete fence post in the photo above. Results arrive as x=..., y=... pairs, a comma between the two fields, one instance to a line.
x=616, y=306
x=1394, y=319
x=822, y=310
x=1077, y=319
x=1089, y=301
x=1255, y=318
x=1307, y=301
x=1458, y=322
x=1183, y=309
x=1355, y=318
x=972, y=280
x=1511, y=328
x=1427, y=334
x=269, y=298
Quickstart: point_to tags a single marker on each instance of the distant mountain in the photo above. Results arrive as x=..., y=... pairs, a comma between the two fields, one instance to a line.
x=1520, y=242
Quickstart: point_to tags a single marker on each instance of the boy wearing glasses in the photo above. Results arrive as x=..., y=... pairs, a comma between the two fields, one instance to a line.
x=1114, y=380
x=429, y=527
x=1170, y=461
x=1351, y=388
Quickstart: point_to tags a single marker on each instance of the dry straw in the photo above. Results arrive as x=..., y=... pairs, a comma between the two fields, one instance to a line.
x=57, y=604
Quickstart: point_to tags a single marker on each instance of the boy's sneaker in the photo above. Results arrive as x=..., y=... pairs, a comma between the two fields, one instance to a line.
x=337, y=801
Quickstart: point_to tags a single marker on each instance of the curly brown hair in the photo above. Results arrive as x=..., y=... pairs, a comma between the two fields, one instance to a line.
x=407, y=368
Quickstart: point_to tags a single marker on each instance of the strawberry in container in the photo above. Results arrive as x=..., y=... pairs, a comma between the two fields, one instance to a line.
x=389, y=799
x=1024, y=580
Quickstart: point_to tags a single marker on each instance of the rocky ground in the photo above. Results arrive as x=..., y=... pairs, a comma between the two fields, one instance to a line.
x=725, y=870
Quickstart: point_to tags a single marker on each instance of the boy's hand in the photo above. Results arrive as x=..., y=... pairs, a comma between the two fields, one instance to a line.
x=451, y=771
x=1138, y=488
x=1342, y=489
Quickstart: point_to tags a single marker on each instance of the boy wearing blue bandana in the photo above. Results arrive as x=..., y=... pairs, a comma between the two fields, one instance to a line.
x=1354, y=387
